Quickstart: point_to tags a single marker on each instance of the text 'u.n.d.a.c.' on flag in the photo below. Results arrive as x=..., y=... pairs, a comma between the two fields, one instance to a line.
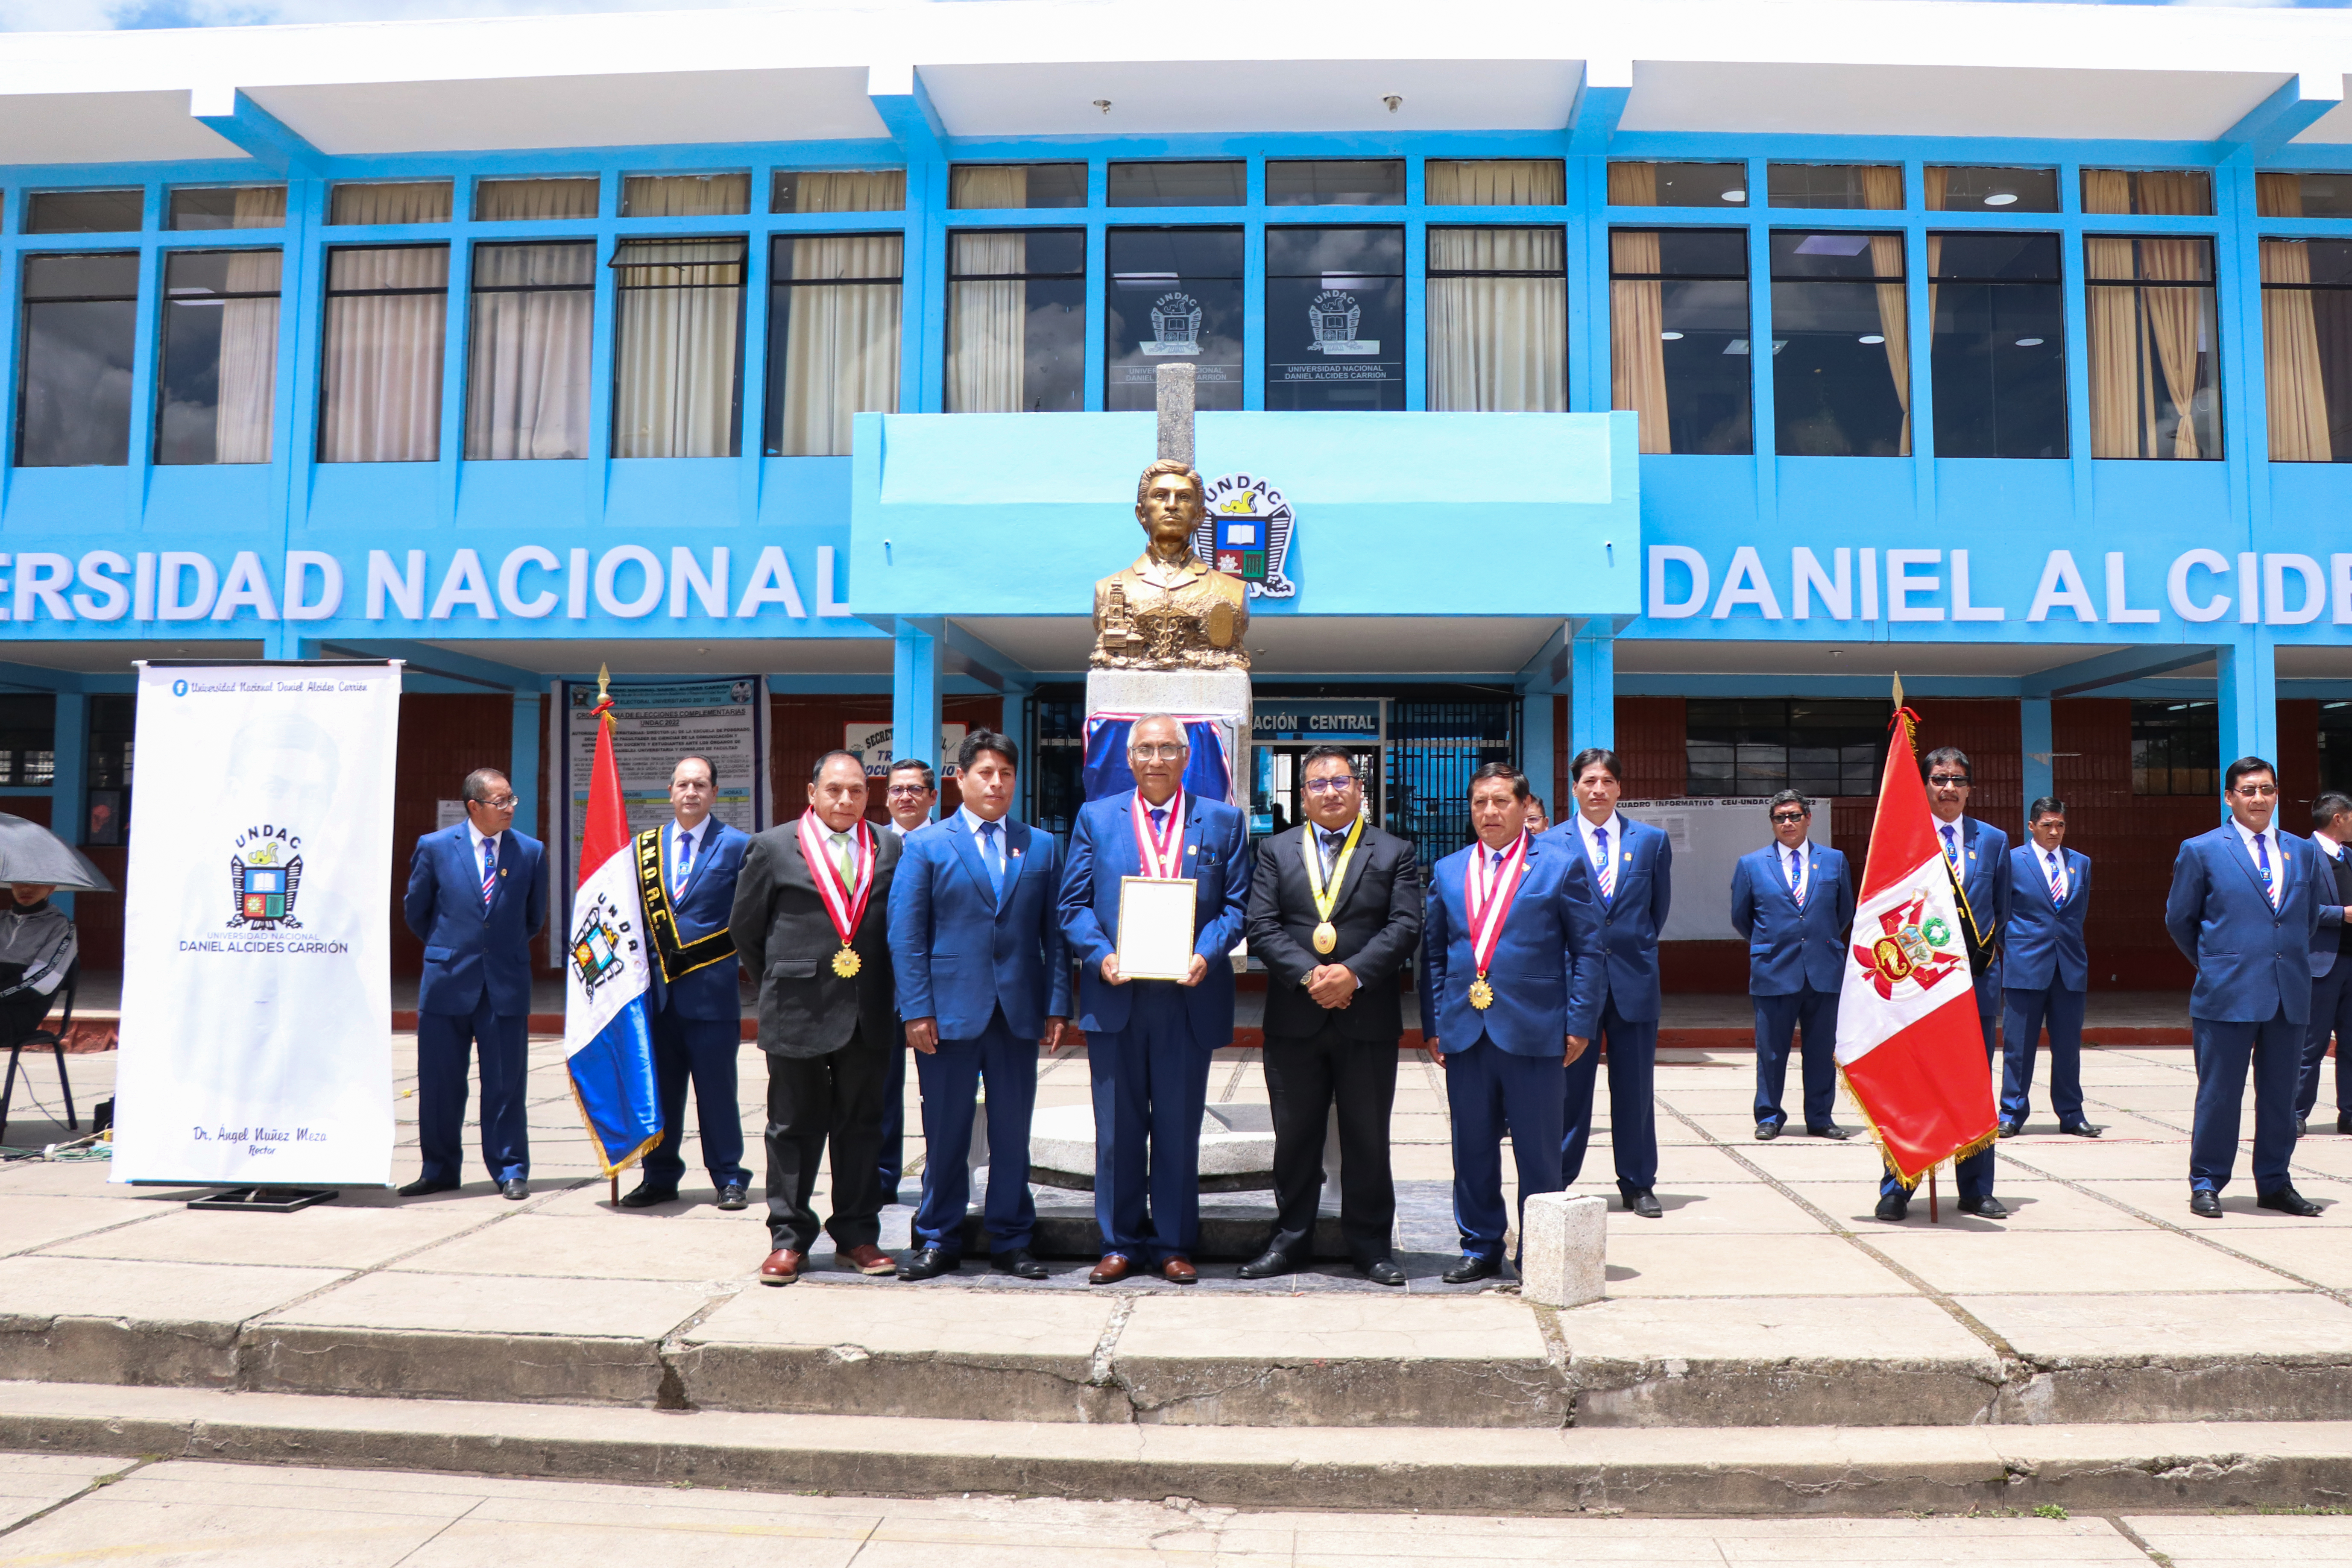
x=608, y=1044
x=1908, y=1041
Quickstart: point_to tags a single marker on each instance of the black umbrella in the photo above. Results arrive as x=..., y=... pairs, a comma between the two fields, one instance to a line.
x=31, y=853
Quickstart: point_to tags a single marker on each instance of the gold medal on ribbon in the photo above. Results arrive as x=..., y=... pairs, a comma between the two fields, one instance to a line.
x=847, y=962
x=1482, y=995
x=1326, y=937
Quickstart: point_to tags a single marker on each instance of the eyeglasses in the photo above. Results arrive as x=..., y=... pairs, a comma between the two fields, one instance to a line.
x=1948, y=778
x=1162, y=753
x=1332, y=785
x=909, y=791
x=1790, y=815
x=499, y=803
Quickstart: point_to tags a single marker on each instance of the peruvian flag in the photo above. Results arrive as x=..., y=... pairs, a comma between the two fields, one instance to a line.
x=608, y=1044
x=1909, y=1040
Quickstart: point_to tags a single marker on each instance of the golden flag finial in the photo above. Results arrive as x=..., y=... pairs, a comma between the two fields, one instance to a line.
x=604, y=684
x=1898, y=689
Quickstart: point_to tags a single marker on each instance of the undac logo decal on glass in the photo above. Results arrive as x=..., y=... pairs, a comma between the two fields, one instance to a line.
x=1246, y=532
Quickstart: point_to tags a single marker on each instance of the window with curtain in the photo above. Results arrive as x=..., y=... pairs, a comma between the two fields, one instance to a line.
x=1335, y=318
x=677, y=356
x=73, y=401
x=997, y=185
x=835, y=305
x=1017, y=322
x=1841, y=355
x=220, y=356
x=524, y=201
x=1966, y=190
x=390, y=201
x=2175, y=748
x=2151, y=337
x=1223, y=184
x=2162, y=193
x=2307, y=348
x=1677, y=185
x=686, y=195
x=1494, y=182
x=527, y=371
x=1861, y=187
x=1498, y=320
x=84, y=212
x=1334, y=182
x=2303, y=196
x=1175, y=294
x=1998, y=355
x=838, y=191
x=1678, y=349
x=387, y=316
x=226, y=206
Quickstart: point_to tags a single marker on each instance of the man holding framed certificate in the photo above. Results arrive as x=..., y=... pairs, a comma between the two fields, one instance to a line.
x=1152, y=903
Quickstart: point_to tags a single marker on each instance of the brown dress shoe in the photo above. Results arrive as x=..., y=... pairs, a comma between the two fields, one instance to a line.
x=871, y=1259
x=1113, y=1269
x=1179, y=1271
x=784, y=1266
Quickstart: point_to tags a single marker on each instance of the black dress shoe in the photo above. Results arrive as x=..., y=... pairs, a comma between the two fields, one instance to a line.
x=2205, y=1204
x=1644, y=1204
x=734, y=1196
x=1766, y=1130
x=1984, y=1208
x=1893, y=1207
x=1381, y=1271
x=2286, y=1200
x=420, y=1188
x=645, y=1195
x=2344, y=1123
x=927, y=1263
x=2011, y=1129
x=2082, y=1130
x=1471, y=1269
x=2302, y=1125
x=514, y=1189
x=1267, y=1265
x=1019, y=1262
x=1830, y=1129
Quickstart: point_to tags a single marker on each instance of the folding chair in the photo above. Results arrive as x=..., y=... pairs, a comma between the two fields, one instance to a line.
x=56, y=1040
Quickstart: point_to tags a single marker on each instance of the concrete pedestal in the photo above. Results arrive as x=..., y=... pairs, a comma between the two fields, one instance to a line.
x=1563, y=1249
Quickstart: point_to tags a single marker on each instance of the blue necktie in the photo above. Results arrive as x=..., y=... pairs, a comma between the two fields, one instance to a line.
x=685, y=860
x=2270, y=884
x=1796, y=884
x=1600, y=864
x=489, y=870
x=992, y=856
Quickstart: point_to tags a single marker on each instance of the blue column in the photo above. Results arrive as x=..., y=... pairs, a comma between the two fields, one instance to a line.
x=2247, y=679
x=2033, y=736
x=1593, y=691
x=69, y=746
x=1536, y=745
x=915, y=688
x=1017, y=729
x=522, y=764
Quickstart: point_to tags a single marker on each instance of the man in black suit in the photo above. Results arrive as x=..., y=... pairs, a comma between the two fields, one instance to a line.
x=1334, y=913
x=811, y=920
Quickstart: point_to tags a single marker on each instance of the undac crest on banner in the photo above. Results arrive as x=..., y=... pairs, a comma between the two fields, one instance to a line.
x=599, y=946
x=1244, y=533
x=265, y=873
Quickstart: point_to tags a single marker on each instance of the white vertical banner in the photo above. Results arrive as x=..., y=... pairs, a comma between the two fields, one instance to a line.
x=256, y=979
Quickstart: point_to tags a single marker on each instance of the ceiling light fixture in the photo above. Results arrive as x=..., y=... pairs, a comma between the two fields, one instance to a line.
x=1735, y=195
x=1670, y=337
x=1394, y=101
x=2000, y=199
x=2029, y=343
x=1103, y=104
x=1873, y=338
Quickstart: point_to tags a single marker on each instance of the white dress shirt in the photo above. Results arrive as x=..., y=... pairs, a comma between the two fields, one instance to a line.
x=1586, y=828
x=1804, y=852
x=2277, y=854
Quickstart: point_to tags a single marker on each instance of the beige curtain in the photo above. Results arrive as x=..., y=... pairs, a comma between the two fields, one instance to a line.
x=248, y=354
x=686, y=195
x=1939, y=184
x=862, y=190
x=407, y=201
x=1496, y=182
x=1882, y=191
x=2181, y=192
x=527, y=380
x=1498, y=345
x=988, y=321
x=2278, y=196
x=674, y=363
x=2298, y=398
x=382, y=401
x=260, y=206
x=521, y=201
x=1633, y=185
x=1882, y=186
x=1637, y=353
x=841, y=344
x=2173, y=316
x=2114, y=340
x=2106, y=191
x=987, y=185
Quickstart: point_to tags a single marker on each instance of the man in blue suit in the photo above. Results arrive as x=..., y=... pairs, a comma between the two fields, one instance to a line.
x=2045, y=970
x=1511, y=966
x=1794, y=901
x=1633, y=873
x=477, y=895
x=2244, y=904
x=984, y=980
x=685, y=872
x=1977, y=854
x=2331, y=964
x=1149, y=1042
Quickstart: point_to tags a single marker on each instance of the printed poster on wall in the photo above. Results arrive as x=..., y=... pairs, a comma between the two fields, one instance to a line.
x=257, y=978
x=1708, y=834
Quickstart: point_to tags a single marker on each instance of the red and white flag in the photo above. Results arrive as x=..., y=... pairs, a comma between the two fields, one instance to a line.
x=1909, y=1040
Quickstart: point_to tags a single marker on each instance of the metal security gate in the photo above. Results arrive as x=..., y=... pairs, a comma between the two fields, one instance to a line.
x=1434, y=748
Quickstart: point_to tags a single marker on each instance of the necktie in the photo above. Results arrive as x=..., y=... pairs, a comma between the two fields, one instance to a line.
x=991, y=856
x=1330, y=849
x=1796, y=877
x=685, y=860
x=840, y=857
x=2270, y=883
x=489, y=870
x=1498, y=861
x=1602, y=864
x=2057, y=880
x=1952, y=848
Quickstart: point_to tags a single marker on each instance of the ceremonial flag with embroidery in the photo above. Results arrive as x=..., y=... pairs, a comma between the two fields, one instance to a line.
x=608, y=1043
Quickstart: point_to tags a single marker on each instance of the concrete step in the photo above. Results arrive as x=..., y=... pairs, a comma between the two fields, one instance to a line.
x=1716, y=1471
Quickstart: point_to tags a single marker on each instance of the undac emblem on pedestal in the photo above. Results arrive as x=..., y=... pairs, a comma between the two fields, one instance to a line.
x=265, y=873
x=1175, y=325
x=1244, y=533
x=599, y=946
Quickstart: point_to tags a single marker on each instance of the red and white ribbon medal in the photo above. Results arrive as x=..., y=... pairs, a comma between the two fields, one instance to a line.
x=1487, y=893
x=1162, y=851
x=844, y=905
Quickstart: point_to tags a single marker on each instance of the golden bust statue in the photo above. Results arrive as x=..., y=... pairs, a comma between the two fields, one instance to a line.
x=1170, y=611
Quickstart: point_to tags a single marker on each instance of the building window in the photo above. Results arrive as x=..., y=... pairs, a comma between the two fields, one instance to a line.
x=2156, y=193
x=1001, y=186
x=686, y=195
x=527, y=379
x=390, y=201
x=2335, y=747
x=220, y=356
x=1017, y=323
x=1841, y=365
x=1759, y=747
x=228, y=207
x=677, y=357
x=1217, y=184
x=526, y=201
x=1175, y=294
x=81, y=318
x=1494, y=182
x=838, y=191
x=2153, y=393
x=113, y=721
x=1498, y=320
x=28, y=731
x=85, y=212
x=2303, y=196
x=1334, y=182
x=1861, y=188
x=833, y=308
x=1967, y=190
x=1677, y=185
x=2307, y=348
x=1334, y=319
x=1998, y=352
x=387, y=312
x=2177, y=749
x=1678, y=350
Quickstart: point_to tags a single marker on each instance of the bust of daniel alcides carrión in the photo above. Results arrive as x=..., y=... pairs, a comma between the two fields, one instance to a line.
x=1170, y=610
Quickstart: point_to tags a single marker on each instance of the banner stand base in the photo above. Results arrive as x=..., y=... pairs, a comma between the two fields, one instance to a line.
x=264, y=1200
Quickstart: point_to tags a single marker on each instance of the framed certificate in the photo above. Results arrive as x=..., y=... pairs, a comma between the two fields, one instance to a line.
x=1155, y=927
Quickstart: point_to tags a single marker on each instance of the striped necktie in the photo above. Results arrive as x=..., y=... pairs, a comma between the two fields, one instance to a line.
x=1796, y=877
x=1604, y=864
x=489, y=870
x=2057, y=879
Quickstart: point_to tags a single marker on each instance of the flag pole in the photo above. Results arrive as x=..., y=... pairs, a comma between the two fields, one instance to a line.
x=1935, y=1214
x=605, y=695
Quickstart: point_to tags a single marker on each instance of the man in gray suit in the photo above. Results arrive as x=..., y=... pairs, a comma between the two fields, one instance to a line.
x=811, y=918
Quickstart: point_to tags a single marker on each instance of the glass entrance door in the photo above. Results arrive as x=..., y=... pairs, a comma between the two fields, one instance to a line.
x=1279, y=799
